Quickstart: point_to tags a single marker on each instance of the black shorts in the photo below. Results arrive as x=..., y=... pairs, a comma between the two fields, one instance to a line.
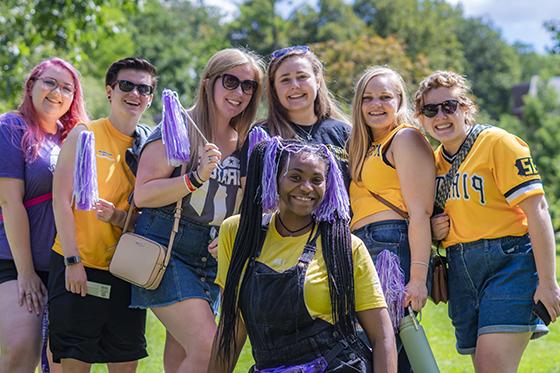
x=8, y=272
x=93, y=329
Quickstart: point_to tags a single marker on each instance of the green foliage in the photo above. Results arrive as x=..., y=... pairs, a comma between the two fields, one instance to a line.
x=553, y=26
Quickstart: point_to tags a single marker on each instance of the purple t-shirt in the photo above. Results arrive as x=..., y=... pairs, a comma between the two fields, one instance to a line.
x=37, y=177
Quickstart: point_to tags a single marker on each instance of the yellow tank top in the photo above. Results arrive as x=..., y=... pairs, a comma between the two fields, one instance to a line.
x=96, y=240
x=378, y=176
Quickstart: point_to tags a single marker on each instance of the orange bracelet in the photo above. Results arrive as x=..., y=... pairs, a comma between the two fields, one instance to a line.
x=188, y=183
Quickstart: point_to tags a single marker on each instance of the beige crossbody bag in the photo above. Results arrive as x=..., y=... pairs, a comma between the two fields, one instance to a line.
x=142, y=261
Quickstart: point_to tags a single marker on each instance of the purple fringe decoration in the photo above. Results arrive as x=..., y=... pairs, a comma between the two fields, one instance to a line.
x=174, y=129
x=270, y=197
x=318, y=365
x=335, y=202
x=391, y=277
x=44, y=340
x=85, y=172
x=256, y=135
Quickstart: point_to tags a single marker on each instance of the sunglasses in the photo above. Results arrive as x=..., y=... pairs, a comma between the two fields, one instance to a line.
x=302, y=49
x=51, y=84
x=231, y=82
x=447, y=107
x=128, y=86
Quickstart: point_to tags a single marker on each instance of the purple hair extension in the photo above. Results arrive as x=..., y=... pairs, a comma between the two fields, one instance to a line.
x=44, y=338
x=335, y=200
x=174, y=129
x=270, y=197
x=257, y=135
x=85, y=172
x=391, y=277
x=318, y=365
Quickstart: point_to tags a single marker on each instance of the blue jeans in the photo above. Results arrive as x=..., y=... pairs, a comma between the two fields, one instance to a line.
x=191, y=271
x=491, y=288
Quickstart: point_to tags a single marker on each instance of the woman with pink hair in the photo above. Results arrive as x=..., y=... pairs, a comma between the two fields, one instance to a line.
x=30, y=139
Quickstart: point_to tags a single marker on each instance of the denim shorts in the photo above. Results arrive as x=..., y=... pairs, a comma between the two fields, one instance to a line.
x=191, y=271
x=491, y=288
x=389, y=235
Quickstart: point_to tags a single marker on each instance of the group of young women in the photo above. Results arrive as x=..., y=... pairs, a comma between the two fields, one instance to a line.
x=320, y=198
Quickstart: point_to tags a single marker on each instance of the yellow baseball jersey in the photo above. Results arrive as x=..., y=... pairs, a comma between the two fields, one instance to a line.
x=281, y=253
x=96, y=240
x=497, y=174
x=378, y=176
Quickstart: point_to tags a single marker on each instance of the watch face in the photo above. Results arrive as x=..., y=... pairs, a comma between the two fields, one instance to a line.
x=71, y=260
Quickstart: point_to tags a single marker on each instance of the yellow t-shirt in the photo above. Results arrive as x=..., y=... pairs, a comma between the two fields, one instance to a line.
x=281, y=253
x=378, y=176
x=497, y=174
x=96, y=240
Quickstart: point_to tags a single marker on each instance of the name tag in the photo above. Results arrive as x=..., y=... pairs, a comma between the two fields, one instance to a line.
x=98, y=290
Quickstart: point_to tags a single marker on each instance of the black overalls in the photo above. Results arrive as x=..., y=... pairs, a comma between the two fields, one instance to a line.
x=282, y=332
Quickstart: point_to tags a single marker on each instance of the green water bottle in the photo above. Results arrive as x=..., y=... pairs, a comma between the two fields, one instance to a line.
x=416, y=345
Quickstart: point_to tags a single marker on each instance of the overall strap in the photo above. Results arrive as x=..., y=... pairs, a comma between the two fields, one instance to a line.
x=442, y=193
x=310, y=247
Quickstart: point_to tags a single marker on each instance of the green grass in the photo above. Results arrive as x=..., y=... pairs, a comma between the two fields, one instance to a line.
x=540, y=357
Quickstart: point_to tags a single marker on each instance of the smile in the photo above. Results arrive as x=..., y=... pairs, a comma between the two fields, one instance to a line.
x=233, y=102
x=133, y=103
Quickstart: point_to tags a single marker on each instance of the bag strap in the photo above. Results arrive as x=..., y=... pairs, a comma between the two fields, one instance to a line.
x=174, y=228
x=442, y=193
x=399, y=211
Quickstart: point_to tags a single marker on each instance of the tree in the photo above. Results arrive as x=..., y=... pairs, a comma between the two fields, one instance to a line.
x=553, y=26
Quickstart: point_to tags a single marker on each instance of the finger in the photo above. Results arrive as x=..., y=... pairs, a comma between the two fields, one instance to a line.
x=83, y=289
x=36, y=303
x=21, y=297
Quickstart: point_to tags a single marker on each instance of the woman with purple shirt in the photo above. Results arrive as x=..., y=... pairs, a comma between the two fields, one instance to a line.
x=30, y=139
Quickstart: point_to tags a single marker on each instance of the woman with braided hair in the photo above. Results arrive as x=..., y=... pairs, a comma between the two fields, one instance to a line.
x=296, y=275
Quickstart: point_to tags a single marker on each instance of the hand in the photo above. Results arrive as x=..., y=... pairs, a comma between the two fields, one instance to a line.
x=76, y=279
x=209, y=160
x=416, y=295
x=440, y=226
x=213, y=248
x=31, y=292
x=104, y=210
x=549, y=295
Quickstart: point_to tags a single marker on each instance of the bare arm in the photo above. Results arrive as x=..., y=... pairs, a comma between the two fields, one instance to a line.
x=63, y=184
x=379, y=330
x=217, y=363
x=154, y=186
x=544, y=249
x=31, y=290
x=415, y=167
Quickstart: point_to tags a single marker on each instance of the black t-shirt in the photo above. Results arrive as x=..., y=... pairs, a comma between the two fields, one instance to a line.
x=331, y=132
x=217, y=199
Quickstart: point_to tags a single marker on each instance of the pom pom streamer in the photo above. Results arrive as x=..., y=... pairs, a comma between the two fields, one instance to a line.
x=391, y=277
x=85, y=172
x=336, y=199
x=257, y=135
x=175, y=129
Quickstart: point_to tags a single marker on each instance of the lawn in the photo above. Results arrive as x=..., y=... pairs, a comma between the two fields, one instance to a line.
x=540, y=357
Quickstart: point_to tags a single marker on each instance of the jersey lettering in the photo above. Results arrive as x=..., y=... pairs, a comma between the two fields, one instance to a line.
x=465, y=187
x=526, y=167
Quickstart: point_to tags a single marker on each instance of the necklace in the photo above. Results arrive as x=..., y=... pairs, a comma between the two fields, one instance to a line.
x=307, y=133
x=292, y=231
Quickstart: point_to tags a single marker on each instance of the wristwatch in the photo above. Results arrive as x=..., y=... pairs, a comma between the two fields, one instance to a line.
x=69, y=260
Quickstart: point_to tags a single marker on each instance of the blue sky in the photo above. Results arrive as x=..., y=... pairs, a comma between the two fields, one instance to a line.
x=518, y=20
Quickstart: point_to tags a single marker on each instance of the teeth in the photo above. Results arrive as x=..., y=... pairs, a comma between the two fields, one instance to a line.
x=296, y=96
x=376, y=113
x=53, y=101
x=303, y=198
x=234, y=102
x=132, y=103
x=443, y=126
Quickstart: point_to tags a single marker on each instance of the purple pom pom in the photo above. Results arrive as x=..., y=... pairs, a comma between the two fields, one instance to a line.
x=174, y=129
x=256, y=136
x=391, y=277
x=85, y=172
x=335, y=202
x=270, y=197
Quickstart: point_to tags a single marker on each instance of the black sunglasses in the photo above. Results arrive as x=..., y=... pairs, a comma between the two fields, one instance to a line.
x=231, y=82
x=128, y=86
x=447, y=107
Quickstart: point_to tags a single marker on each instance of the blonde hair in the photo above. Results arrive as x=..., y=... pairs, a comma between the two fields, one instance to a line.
x=361, y=136
x=452, y=80
x=204, y=109
x=325, y=105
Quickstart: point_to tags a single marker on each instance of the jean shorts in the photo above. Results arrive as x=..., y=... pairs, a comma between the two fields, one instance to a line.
x=389, y=235
x=191, y=271
x=491, y=288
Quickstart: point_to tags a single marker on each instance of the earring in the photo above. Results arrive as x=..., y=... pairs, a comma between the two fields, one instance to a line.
x=109, y=98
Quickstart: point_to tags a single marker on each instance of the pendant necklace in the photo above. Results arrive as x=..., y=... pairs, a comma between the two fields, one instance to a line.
x=307, y=133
